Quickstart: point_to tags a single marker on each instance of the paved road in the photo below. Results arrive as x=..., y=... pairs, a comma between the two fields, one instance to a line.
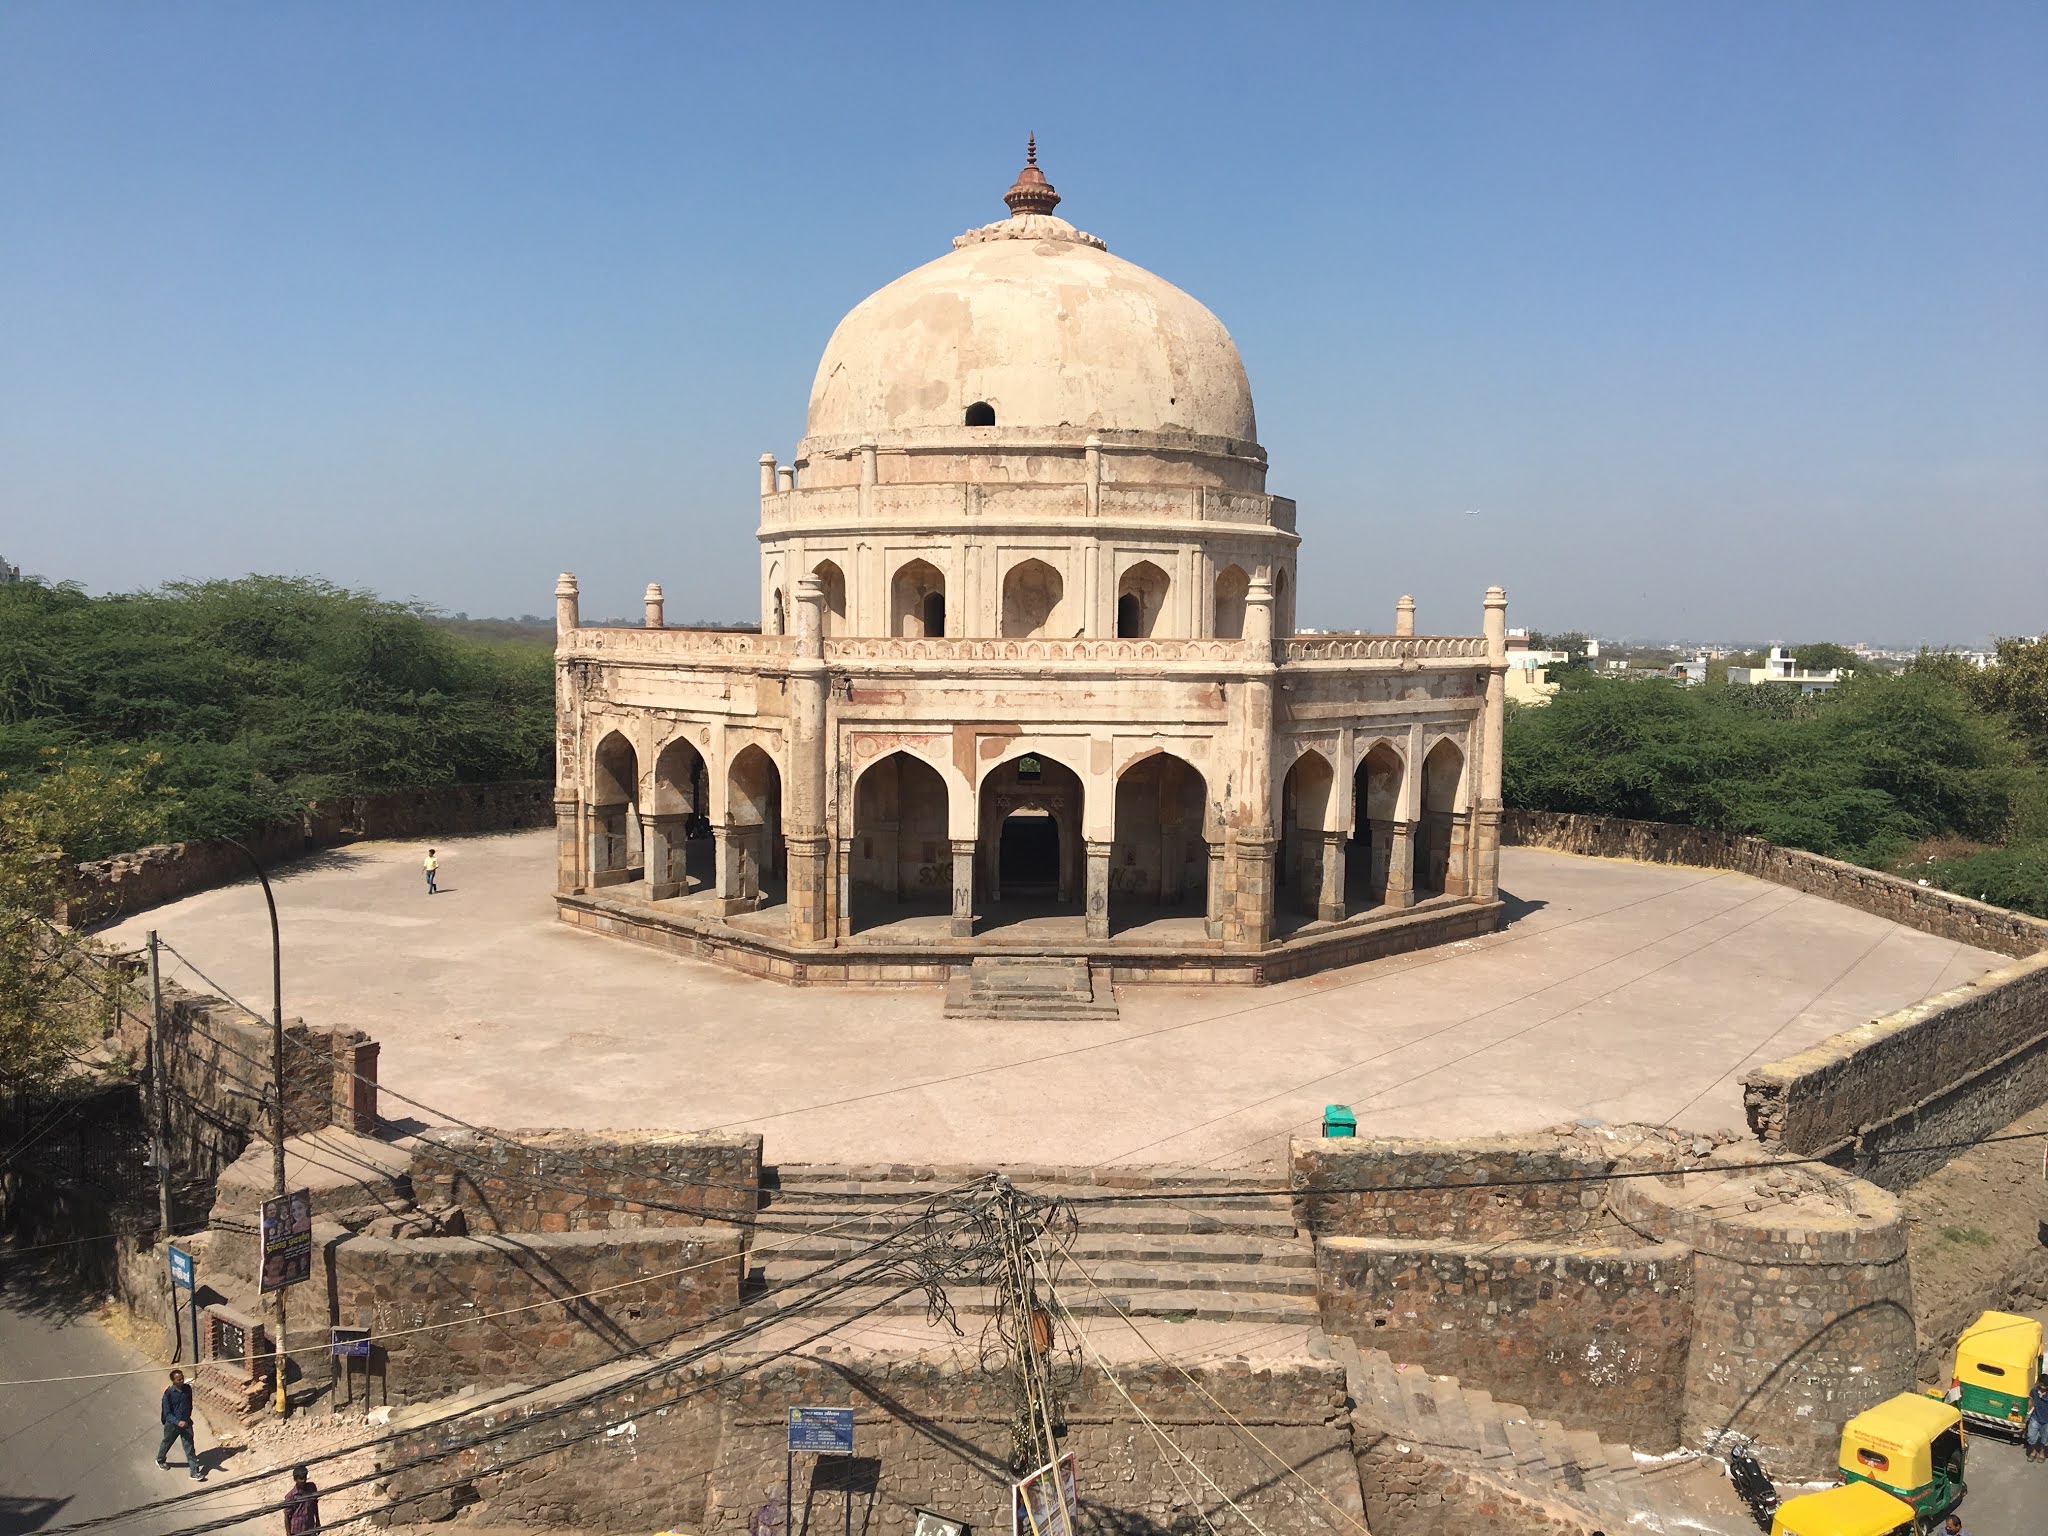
x=2008, y=1496
x=72, y=1450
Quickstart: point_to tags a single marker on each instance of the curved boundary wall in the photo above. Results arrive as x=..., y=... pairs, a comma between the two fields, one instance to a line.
x=1943, y=1071
x=127, y=883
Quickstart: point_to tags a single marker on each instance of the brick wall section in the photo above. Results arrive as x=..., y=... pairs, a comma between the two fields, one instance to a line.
x=1799, y=1322
x=1595, y=1336
x=1901, y=901
x=394, y=1285
x=1954, y=1067
x=1407, y=1188
x=128, y=883
x=510, y=1185
x=706, y=1449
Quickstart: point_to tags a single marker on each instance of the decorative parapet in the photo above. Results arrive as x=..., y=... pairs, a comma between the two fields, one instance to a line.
x=1384, y=648
x=806, y=506
x=1102, y=652
x=637, y=644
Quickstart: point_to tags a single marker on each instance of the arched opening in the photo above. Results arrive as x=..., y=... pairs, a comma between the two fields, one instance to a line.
x=981, y=414
x=1440, y=836
x=677, y=834
x=1304, y=815
x=750, y=870
x=1031, y=598
x=1232, y=585
x=779, y=619
x=1159, y=863
x=1283, y=603
x=1372, y=878
x=901, y=864
x=614, y=812
x=1140, y=600
x=917, y=601
x=833, y=580
x=1029, y=853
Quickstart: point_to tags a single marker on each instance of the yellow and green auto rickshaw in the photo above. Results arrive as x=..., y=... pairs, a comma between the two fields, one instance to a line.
x=1997, y=1359
x=1854, y=1509
x=1912, y=1447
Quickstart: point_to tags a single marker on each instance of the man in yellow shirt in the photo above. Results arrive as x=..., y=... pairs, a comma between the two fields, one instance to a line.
x=433, y=867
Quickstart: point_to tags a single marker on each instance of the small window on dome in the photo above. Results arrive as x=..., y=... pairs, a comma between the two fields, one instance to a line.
x=981, y=414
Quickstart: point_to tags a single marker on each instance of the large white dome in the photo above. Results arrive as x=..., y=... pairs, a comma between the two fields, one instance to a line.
x=1037, y=321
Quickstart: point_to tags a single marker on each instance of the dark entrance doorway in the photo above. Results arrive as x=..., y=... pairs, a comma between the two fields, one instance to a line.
x=1028, y=858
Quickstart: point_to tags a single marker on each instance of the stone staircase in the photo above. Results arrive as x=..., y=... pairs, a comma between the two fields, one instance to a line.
x=1028, y=987
x=1203, y=1258
x=1577, y=1478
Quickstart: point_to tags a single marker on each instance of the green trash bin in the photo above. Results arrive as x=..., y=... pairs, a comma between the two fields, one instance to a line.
x=1339, y=1121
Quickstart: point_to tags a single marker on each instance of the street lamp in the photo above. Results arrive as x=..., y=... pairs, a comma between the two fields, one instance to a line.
x=276, y=1086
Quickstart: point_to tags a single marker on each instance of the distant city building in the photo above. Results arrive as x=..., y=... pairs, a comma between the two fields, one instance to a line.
x=1527, y=680
x=1781, y=666
x=1690, y=673
x=9, y=573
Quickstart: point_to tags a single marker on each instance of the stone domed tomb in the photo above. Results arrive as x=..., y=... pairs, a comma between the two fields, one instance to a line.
x=1027, y=678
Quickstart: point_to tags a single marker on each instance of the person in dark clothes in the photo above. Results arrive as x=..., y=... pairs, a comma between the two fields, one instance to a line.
x=2037, y=1420
x=176, y=1413
x=302, y=1505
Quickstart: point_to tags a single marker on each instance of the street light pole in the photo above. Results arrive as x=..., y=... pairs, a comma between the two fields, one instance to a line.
x=276, y=1090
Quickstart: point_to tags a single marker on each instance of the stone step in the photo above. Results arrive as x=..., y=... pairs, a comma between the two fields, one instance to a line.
x=1523, y=1441
x=1233, y=1218
x=1028, y=987
x=1454, y=1418
x=978, y=1301
x=1088, y=1247
x=1492, y=1438
x=1114, y=1274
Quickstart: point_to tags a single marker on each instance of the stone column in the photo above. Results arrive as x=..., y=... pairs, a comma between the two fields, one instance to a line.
x=1399, y=886
x=1404, y=615
x=1455, y=867
x=842, y=888
x=1330, y=904
x=1250, y=874
x=1485, y=833
x=1248, y=919
x=568, y=845
x=806, y=834
x=665, y=855
x=963, y=888
x=1098, y=889
x=1213, y=924
x=566, y=604
x=738, y=865
x=609, y=859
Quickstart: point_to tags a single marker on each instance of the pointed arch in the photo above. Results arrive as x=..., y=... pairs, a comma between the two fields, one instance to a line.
x=1283, y=603
x=1307, y=797
x=1232, y=587
x=750, y=866
x=1159, y=860
x=1141, y=600
x=1029, y=859
x=614, y=830
x=917, y=601
x=1032, y=594
x=1440, y=835
x=901, y=862
x=1379, y=837
x=833, y=580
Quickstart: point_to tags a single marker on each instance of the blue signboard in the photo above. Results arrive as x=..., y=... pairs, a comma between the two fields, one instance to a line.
x=826, y=1430
x=181, y=1268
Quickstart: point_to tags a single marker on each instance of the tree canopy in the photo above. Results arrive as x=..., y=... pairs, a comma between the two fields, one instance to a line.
x=205, y=709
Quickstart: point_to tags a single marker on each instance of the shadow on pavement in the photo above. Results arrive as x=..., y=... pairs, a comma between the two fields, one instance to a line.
x=19, y=1515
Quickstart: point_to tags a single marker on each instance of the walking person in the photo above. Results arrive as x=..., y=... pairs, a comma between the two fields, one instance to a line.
x=302, y=1505
x=2037, y=1420
x=433, y=868
x=176, y=1413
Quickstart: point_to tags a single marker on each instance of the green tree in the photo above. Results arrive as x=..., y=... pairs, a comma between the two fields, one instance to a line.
x=1824, y=656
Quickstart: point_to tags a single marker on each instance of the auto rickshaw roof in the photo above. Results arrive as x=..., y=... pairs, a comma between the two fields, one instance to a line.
x=1911, y=1418
x=1854, y=1509
x=2005, y=1339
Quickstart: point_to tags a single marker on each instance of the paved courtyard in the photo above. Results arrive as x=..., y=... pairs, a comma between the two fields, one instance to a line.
x=1623, y=992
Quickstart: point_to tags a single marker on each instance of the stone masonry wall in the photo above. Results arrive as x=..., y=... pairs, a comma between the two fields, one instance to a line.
x=514, y=1185
x=1596, y=1336
x=1901, y=901
x=1950, y=1069
x=127, y=883
x=1477, y=1188
x=701, y=1447
x=654, y=1284
x=1410, y=1493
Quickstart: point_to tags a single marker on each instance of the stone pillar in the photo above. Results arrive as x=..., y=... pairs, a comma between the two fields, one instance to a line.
x=842, y=888
x=1250, y=876
x=1485, y=833
x=1404, y=615
x=568, y=845
x=1398, y=885
x=653, y=603
x=1097, y=906
x=1455, y=867
x=736, y=858
x=806, y=833
x=963, y=888
x=610, y=858
x=566, y=604
x=767, y=475
x=1330, y=904
x=1213, y=922
x=665, y=855
x=785, y=477
x=1091, y=450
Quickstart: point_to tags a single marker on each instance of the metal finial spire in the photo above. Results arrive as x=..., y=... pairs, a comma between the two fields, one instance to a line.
x=1032, y=193
x=1031, y=149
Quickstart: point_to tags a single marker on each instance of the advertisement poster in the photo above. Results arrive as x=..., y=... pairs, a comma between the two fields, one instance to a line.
x=1045, y=1503
x=287, y=1240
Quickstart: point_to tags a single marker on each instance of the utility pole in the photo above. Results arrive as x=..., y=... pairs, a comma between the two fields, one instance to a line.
x=1031, y=1342
x=276, y=1095
x=160, y=1112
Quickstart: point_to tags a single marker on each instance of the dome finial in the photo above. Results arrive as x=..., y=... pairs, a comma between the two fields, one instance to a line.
x=1032, y=193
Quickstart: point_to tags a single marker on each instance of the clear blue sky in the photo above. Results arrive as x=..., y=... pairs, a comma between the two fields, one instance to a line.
x=1728, y=320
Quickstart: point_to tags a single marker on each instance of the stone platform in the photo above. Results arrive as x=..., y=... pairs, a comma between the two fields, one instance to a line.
x=1028, y=987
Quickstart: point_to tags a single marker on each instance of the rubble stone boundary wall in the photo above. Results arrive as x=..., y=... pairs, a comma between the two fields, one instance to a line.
x=1945, y=1071
x=512, y=1181
x=105, y=889
x=701, y=1447
x=1938, y=912
x=393, y=1285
